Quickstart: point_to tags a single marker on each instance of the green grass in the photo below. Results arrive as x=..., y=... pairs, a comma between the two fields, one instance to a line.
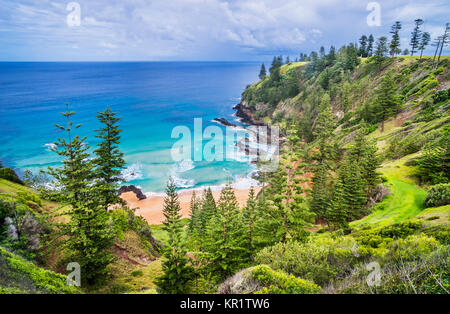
x=161, y=235
x=283, y=70
x=21, y=276
x=436, y=215
x=293, y=65
x=11, y=187
x=407, y=197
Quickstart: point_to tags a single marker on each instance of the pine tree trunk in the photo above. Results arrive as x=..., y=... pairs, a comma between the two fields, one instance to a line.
x=435, y=53
x=440, y=52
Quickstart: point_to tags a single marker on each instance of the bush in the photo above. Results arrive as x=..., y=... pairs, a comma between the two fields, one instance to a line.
x=279, y=282
x=428, y=275
x=415, y=247
x=137, y=273
x=27, y=197
x=416, y=264
x=10, y=175
x=320, y=261
x=438, y=195
x=20, y=273
x=441, y=96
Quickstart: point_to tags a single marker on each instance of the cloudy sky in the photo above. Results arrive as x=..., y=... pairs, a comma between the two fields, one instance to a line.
x=119, y=30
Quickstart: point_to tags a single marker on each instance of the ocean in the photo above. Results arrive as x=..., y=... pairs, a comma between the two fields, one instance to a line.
x=152, y=98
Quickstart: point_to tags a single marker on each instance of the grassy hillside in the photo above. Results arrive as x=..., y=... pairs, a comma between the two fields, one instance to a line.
x=19, y=276
x=407, y=197
x=29, y=264
x=363, y=180
x=418, y=121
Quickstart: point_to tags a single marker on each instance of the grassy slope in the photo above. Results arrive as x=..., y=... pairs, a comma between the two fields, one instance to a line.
x=283, y=70
x=407, y=197
x=18, y=275
x=134, y=271
x=406, y=201
x=11, y=187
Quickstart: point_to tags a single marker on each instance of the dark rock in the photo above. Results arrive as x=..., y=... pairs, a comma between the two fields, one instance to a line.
x=131, y=188
x=379, y=194
x=245, y=116
x=224, y=122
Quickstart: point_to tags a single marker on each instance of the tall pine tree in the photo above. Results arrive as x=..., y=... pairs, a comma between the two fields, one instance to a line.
x=387, y=100
x=262, y=72
x=177, y=273
x=424, y=41
x=415, y=36
x=337, y=214
x=394, y=46
x=225, y=241
x=250, y=217
x=208, y=209
x=109, y=162
x=88, y=232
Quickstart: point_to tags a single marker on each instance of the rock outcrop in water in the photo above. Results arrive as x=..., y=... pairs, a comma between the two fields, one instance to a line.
x=131, y=188
x=245, y=115
x=225, y=122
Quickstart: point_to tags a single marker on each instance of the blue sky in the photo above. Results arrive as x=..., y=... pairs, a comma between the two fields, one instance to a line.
x=157, y=30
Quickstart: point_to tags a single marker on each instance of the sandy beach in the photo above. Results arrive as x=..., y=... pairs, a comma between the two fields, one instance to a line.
x=151, y=208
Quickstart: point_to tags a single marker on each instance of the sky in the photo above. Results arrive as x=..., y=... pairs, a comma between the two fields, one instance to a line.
x=200, y=30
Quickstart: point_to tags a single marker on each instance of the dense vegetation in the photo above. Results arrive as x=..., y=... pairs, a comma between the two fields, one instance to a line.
x=359, y=204
x=72, y=222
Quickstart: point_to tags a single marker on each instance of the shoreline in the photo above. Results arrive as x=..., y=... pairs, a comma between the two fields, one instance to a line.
x=151, y=208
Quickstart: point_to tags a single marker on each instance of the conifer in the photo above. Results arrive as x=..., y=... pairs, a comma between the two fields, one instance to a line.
x=88, y=231
x=177, y=273
x=207, y=209
x=109, y=161
x=262, y=72
x=394, y=46
x=387, y=99
x=249, y=222
x=225, y=241
x=415, y=36
x=337, y=214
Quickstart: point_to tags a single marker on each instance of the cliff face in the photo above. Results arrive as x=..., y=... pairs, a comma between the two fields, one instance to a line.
x=422, y=91
x=247, y=115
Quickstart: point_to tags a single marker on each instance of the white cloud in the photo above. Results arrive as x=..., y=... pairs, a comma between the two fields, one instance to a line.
x=107, y=45
x=191, y=29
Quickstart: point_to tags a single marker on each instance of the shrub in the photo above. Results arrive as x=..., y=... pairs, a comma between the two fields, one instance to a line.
x=438, y=195
x=279, y=282
x=427, y=275
x=29, y=197
x=277, y=116
x=414, y=247
x=30, y=278
x=320, y=261
x=375, y=237
x=137, y=273
x=441, y=96
x=10, y=175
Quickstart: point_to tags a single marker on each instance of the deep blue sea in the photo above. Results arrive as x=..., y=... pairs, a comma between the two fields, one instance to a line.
x=151, y=98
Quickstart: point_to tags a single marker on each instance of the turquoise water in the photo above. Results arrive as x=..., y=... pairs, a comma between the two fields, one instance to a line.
x=151, y=98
